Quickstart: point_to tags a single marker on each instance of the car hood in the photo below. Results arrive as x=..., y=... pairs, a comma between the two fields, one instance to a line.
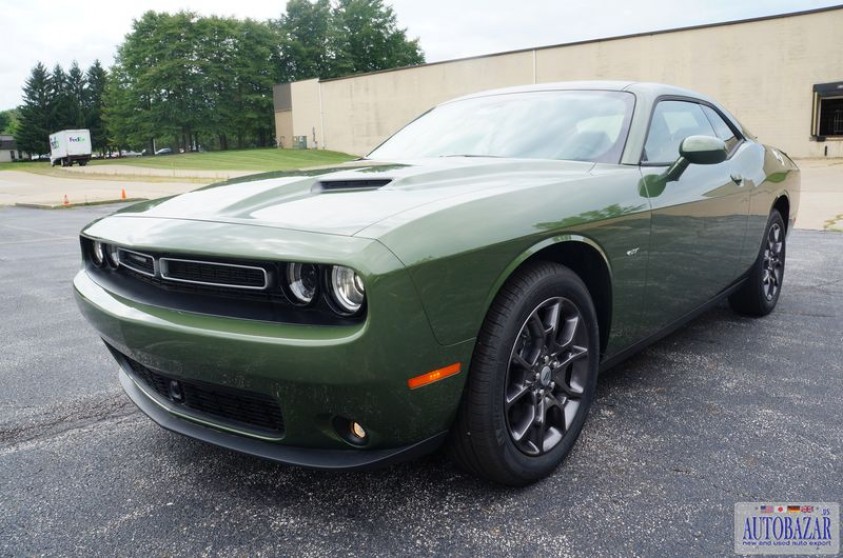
x=348, y=199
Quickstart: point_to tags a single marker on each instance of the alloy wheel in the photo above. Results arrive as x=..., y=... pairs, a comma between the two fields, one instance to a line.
x=547, y=376
x=773, y=264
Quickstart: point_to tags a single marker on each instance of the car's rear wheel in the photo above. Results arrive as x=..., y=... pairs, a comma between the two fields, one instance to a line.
x=532, y=378
x=760, y=293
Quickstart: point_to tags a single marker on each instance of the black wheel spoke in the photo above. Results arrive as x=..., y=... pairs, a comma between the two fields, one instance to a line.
x=552, y=324
x=518, y=360
x=536, y=326
x=569, y=330
x=514, y=395
x=522, y=432
x=539, y=425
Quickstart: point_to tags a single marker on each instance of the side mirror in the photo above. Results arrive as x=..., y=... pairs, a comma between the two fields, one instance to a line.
x=699, y=150
x=703, y=150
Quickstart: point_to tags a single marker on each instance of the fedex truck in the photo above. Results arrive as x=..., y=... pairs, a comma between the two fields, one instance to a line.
x=70, y=146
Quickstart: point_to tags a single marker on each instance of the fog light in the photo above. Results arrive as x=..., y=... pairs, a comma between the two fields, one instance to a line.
x=351, y=431
x=358, y=431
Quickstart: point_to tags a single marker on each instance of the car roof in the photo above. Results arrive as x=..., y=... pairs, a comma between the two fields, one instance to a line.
x=649, y=89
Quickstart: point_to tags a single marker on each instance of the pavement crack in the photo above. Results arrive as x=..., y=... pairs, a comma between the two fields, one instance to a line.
x=62, y=417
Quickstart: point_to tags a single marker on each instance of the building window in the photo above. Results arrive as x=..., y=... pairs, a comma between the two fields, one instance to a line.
x=831, y=117
x=828, y=111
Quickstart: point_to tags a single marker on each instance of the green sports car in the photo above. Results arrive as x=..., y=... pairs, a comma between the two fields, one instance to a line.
x=463, y=284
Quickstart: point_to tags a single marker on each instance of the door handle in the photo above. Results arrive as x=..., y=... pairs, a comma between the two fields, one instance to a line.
x=737, y=179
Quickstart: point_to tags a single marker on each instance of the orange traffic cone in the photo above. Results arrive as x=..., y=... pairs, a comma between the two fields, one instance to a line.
x=123, y=194
x=66, y=201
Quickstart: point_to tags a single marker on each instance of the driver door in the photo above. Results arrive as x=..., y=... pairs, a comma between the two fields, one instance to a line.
x=698, y=221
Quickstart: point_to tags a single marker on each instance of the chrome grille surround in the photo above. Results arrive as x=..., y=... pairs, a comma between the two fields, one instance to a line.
x=218, y=274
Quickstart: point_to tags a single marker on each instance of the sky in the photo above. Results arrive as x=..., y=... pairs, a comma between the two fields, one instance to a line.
x=56, y=31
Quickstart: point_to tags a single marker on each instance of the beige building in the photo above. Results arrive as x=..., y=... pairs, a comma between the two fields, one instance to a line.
x=781, y=76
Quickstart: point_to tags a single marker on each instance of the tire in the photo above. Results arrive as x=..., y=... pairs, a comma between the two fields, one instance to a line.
x=82, y=163
x=523, y=369
x=760, y=293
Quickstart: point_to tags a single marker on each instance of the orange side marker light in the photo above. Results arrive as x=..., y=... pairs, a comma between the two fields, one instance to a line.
x=434, y=376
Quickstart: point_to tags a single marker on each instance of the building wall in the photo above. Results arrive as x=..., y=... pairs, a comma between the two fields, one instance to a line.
x=284, y=128
x=763, y=71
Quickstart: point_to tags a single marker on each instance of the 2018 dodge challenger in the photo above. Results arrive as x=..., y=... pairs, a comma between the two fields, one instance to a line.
x=463, y=284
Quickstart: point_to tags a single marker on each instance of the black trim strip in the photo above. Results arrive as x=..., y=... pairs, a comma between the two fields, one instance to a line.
x=617, y=358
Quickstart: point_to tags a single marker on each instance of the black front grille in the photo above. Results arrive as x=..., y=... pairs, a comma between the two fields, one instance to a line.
x=211, y=273
x=135, y=261
x=237, y=407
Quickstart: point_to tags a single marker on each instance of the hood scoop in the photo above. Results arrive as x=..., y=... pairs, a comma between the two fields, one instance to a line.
x=349, y=184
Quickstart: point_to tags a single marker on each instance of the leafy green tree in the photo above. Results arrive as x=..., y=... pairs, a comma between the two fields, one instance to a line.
x=351, y=36
x=366, y=38
x=304, y=35
x=5, y=121
x=250, y=113
x=188, y=81
x=183, y=80
x=165, y=76
x=216, y=48
x=36, y=124
x=123, y=112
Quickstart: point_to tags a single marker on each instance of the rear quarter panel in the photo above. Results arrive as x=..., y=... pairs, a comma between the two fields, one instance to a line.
x=779, y=177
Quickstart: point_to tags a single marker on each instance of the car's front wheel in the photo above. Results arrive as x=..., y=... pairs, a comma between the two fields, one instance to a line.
x=532, y=379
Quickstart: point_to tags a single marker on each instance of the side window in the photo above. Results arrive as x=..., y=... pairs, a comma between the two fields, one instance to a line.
x=672, y=122
x=723, y=130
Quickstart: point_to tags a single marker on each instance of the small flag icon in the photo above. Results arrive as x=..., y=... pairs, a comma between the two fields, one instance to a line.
x=793, y=509
x=781, y=509
x=766, y=509
x=807, y=509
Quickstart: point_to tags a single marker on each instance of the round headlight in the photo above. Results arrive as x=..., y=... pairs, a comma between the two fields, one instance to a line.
x=302, y=281
x=111, y=255
x=98, y=253
x=347, y=289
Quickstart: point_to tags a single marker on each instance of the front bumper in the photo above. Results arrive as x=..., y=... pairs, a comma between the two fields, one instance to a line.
x=348, y=459
x=315, y=373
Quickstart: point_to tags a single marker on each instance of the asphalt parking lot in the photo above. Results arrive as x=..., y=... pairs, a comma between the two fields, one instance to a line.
x=728, y=409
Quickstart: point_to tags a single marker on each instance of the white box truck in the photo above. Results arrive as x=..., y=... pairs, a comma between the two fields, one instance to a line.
x=69, y=146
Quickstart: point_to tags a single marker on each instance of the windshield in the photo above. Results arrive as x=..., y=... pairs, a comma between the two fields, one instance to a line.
x=573, y=125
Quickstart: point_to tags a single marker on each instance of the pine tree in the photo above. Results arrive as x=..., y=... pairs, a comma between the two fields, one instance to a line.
x=61, y=101
x=96, y=77
x=35, y=124
x=77, y=92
